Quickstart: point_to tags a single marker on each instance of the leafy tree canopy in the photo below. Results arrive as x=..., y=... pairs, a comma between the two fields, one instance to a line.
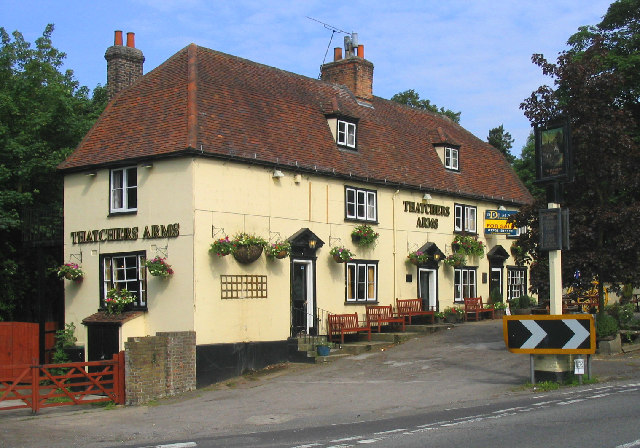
x=412, y=98
x=501, y=140
x=597, y=86
x=44, y=113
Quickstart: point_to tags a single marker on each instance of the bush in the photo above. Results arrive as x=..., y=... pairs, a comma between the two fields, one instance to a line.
x=623, y=314
x=606, y=325
x=522, y=302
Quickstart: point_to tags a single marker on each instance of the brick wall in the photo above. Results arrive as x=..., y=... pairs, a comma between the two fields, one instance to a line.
x=354, y=72
x=159, y=366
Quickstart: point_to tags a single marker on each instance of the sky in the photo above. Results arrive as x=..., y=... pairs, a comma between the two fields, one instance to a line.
x=471, y=56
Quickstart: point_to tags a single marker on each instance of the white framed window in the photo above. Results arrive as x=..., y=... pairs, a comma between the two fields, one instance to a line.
x=516, y=282
x=362, y=281
x=124, y=190
x=346, y=134
x=361, y=204
x=451, y=158
x=124, y=271
x=464, y=284
x=465, y=218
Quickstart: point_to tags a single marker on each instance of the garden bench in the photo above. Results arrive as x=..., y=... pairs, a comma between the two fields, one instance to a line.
x=408, y=308
x=473, y=306
x=346, y=323
x=378, y=315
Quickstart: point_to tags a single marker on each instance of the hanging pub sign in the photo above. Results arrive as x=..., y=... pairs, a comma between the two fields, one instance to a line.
x=553, y=151
x=554, y=229
x=497, y=222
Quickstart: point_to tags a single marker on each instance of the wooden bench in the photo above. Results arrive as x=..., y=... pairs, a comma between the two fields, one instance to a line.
x=379, y=315
x=339, y=324
x=408, y=308
x=473, y=307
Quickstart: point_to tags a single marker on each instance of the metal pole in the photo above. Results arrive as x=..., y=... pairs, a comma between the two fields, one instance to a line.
x=533, y=374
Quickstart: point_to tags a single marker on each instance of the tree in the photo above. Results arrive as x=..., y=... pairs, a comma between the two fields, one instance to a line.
x=44, y=115
x=412, y=98
x=502, y=141
x=597, y=89
x=525, y=168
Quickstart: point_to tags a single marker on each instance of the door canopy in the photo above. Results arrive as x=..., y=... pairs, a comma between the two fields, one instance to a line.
x=304, y=243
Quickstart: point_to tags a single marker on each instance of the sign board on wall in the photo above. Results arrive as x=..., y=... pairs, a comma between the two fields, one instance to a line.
x=496, y=222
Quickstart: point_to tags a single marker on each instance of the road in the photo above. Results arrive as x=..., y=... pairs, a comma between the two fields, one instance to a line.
x=602, y=416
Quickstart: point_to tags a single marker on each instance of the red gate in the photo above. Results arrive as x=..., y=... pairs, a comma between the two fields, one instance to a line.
x=50, y=385
x=18, y=346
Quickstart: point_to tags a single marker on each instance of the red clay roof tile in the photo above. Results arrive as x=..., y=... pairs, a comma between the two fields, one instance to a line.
x=210, y=103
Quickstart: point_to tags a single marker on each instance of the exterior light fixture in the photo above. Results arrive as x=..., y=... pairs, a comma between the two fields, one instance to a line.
x=147, y=165
x=312, y=244
x=277, y=174
x=501, y=208
x=427, y=197
x=436, y=257
x=91, y=174
x=297, y=178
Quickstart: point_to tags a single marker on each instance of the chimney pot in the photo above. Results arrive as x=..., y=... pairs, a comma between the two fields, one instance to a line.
x=131, y=40
x=361, y=51
x=117, y=40
x=337, y=54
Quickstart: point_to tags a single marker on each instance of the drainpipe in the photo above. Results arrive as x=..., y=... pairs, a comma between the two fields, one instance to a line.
x=395, y=267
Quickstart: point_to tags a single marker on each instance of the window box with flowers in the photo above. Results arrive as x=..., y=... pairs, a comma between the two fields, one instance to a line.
x=363, y=235
x=248, y=247
x=467, y=245
x=417, y=257
x=341, y=254
x=279, y=250
x=158, y=267
x=69, y=271
x=118, y=300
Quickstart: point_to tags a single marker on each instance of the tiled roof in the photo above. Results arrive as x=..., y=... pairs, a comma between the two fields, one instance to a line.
x=203, y=102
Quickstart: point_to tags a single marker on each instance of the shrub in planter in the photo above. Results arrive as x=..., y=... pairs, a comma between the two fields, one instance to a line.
x=248, y=247
x=455, y=260
x=418, y=257
x=69, y=271
x=469, y=245
x=606, y=326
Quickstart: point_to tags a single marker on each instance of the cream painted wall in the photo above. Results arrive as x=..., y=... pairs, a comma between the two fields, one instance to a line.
x=211, y=199
x=161, y=200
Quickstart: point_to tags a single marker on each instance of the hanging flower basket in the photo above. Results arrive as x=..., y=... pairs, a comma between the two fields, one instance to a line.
x=467, y=245
x=69, y=271
x=363, y=235
x=279, y=250
x=418, y=258
x=455, y=260
x=247, y=254
x=341, y=254
x=158, y=267
x=222, y=247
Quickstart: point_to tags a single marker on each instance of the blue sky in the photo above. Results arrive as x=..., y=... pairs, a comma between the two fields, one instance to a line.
x=472, y=56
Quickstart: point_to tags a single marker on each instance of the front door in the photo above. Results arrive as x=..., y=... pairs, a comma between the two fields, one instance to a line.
x=427, y=288
x=495, y=280
x=302, y=306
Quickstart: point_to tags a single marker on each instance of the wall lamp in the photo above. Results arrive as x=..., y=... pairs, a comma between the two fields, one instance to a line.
x=91, y=174
x=148, y=165
x=277, y=174
x=427, y=197
x=312, y=244
x=501, y=208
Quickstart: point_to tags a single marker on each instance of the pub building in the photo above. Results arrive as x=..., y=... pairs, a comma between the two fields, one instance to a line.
x=209, y=145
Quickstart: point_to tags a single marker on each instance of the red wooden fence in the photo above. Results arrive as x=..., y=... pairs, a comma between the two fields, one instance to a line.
x=49, y=385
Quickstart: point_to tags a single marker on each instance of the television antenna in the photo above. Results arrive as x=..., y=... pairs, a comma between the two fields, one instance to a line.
x=333, y=30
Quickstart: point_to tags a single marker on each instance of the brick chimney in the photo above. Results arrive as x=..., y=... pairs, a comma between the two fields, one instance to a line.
x=354, y=71
x=124, y=64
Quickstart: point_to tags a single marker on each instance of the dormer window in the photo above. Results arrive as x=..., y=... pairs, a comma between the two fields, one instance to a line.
x=346, y=135
x=451, y=158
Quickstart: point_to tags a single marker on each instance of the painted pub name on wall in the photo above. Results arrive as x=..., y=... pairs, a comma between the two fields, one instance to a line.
x=426, y=209
x=125, y=234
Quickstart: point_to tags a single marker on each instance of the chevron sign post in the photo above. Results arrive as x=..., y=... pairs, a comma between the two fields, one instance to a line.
x=550, y=334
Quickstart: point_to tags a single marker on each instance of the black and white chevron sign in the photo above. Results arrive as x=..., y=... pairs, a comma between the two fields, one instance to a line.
x=550, y=334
